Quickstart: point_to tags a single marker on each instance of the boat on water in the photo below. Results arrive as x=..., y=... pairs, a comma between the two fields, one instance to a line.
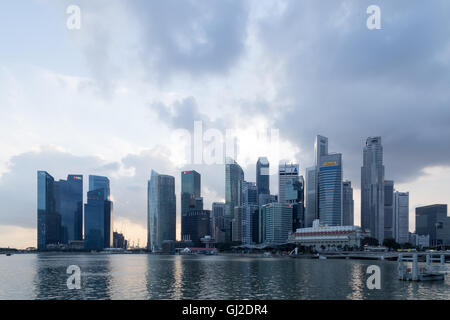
x=8, y=254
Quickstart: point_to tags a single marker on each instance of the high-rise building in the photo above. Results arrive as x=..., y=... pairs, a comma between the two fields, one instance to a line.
x=48, y=219
x=98, y=227
x=276, y=222
x=310, y=195
x=347, y=204
x=389, y=209
x=320, y=150
x=285, y=174
x=218, y=227
x=196, y=225
x=263, y=176
x=69, y=204
x=294, y=194
x=250, y=205
x=433, y=220
x=190, y=195
x=119, y=241
x=99, y=182
x=234, y=180
x=161, y=210
x=401, y=217
x=372, y=188
x=236, y=225
x=330, y=189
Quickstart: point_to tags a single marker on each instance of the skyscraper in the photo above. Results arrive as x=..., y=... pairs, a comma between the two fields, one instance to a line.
x=100, y=182
x=196, y=225
x=69, y=204
x=98, y=227
x=310, y=194
x=161, y=210
x=347, y=204
x=389, y=209
x=263, y=176
x=190, y=195
x=276, y=222
x=218, y=228
x=320, y=150
x=330, y=189
x=250, y=205
x=285, y=174
x=401, y=217
x=294, y=195
x=234, y=179
x=372, y=188
x=48, y=219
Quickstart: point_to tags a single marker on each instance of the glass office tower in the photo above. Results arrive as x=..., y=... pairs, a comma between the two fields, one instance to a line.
x=234, y=179
x=389, y=209
x=433, y=220
x=98, y=228
x=190, y=194
x=196, y=225
x=99, y=182
x=347, y=204
x=161, y=210
x=48, y=219
x=401, y=217
x=372, y=188
x=69, y=205
x=262, y=176
x=330, y=189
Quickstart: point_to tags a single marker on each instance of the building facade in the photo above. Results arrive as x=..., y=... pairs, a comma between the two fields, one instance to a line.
x=286, y=172
x=263, y=176
x=330, y=189
x=401, y=216
x=69, y=204
x=389, y=228
x=48, y=219
x=432, y=220
x=161, y=210
x=372, y=188
x=98, y=225
x=234, y=180
x=310, y=195
x=348, y=204
x=276, y=222
x=323, y=237
x=196, y=225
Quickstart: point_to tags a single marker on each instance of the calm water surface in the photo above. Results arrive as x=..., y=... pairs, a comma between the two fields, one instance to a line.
x=43, y=276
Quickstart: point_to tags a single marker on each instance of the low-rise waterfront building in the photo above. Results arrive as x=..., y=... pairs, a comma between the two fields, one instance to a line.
x=321, y=236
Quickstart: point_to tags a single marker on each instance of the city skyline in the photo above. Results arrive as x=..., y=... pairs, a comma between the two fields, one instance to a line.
x=242, y=66
x=241, y=205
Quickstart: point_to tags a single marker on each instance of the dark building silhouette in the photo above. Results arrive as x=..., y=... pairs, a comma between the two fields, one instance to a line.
x=48, y=219
x=98, y=226
x=196, y=225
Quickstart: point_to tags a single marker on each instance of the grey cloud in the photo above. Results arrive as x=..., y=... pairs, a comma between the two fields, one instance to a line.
x=349, y=83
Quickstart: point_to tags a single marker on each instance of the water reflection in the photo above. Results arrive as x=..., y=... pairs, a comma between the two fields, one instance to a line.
x=43, y=276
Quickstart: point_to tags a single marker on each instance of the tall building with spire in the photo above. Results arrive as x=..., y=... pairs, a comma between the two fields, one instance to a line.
x=372, y=188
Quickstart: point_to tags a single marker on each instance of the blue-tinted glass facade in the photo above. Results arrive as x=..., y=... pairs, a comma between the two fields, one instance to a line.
x=330, y=190
x=98, y=221
x=48, y=219
x=99, y=182
x=69, y=205
x=161, y=210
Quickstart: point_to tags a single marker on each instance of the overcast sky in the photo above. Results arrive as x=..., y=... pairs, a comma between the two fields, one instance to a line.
x=107, y=98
